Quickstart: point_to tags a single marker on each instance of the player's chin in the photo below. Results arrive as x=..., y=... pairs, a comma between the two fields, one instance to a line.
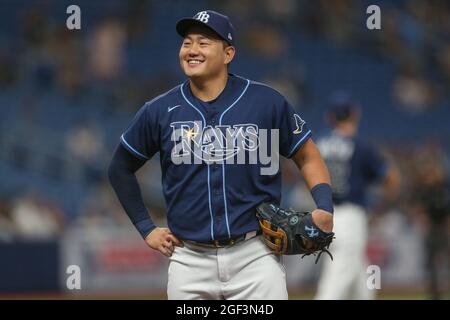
x=193, y=71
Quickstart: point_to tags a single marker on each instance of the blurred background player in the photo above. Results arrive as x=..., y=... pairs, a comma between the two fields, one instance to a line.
x=354, y=166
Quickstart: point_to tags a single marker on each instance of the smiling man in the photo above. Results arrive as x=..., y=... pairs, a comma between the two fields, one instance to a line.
x=205, y=130
x=203, y=58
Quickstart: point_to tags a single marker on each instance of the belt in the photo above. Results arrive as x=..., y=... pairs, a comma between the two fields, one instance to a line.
x=222, y=243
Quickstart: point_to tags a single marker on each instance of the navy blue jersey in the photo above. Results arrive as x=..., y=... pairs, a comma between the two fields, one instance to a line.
x=209, y=193
x=353, y=166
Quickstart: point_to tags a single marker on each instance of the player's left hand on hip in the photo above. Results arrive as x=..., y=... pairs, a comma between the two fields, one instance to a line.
x=323, y=219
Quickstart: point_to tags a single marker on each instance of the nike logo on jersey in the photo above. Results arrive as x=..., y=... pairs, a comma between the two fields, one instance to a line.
x=299, y=122
x=172, y=108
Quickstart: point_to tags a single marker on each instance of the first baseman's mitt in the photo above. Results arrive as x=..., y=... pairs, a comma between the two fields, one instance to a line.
x=291, y=232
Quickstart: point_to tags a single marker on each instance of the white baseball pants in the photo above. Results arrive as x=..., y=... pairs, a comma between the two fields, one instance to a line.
x=245, y=271
x=345, y=277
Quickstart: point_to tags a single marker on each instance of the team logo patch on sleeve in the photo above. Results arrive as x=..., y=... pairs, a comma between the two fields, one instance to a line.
x=299, y=122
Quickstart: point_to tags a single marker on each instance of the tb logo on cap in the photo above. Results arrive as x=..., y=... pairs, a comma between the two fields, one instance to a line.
x=202, y=16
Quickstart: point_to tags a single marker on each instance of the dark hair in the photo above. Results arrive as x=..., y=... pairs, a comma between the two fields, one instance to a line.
x=342, y=107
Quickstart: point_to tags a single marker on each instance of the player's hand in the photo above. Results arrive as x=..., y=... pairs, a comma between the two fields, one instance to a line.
x=163, y=240
x=323, y=219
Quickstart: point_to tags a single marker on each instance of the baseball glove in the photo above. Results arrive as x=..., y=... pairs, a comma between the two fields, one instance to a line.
x=291, y=232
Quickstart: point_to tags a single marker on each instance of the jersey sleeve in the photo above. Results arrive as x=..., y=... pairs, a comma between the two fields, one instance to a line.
x=141, y=138
x=294, y=131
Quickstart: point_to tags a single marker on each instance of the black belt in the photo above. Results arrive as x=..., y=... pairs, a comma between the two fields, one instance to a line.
x=226, y=242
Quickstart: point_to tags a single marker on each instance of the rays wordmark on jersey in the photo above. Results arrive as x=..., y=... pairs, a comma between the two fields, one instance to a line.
x=238, y=143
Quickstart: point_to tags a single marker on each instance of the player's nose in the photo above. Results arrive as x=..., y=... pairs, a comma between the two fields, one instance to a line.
x=193, y=50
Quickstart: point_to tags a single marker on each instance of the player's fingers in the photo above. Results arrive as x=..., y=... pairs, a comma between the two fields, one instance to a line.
x=170, y=237
x=168, y=245
x=165, y=251
x=174, y=240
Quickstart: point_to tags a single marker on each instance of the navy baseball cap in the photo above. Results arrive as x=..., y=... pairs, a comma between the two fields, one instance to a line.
x=215, y=21
x=342, y=105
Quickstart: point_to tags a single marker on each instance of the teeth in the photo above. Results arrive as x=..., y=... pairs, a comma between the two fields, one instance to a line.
x=194, y=61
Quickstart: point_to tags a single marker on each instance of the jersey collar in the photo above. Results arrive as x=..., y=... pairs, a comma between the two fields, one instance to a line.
x=230, y=93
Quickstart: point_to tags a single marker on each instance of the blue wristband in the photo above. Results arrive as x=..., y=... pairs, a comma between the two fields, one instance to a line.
x=323, y=197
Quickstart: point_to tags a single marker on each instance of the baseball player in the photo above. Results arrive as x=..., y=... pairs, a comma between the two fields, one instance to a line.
x=212, y=133
x=354, y=166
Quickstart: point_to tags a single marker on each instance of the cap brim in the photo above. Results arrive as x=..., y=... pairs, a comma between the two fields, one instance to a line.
x=183, y=25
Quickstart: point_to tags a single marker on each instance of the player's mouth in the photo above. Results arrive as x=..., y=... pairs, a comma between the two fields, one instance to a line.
x=194, y=62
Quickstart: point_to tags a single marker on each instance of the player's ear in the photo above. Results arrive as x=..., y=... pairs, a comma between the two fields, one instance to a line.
x=229, y=54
